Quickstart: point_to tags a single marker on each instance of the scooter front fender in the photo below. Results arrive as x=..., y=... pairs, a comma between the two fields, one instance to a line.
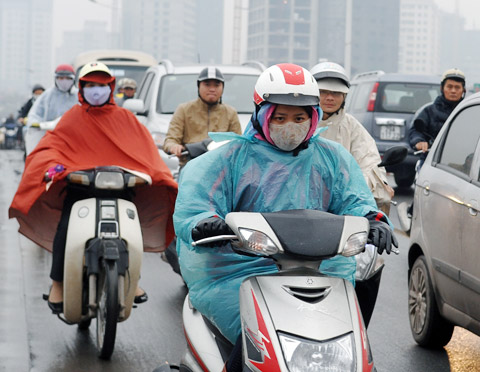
x=81, y=228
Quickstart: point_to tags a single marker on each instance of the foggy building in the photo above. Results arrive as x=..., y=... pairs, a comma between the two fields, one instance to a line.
x=222, y=31
x=94, y=35
x=374, y=38
x=306, y=31
x=163, y=28
x=282, y=31
x=26, y=47
x=375, y=35
x=419, y=49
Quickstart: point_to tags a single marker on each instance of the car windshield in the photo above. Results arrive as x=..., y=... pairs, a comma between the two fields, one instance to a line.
x=405, y=97
x=133, y=72
x=177, y=89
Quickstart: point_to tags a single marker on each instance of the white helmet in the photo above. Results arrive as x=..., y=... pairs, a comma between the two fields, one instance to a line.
x=331, y=76
x=94, y=67
x=286, y=84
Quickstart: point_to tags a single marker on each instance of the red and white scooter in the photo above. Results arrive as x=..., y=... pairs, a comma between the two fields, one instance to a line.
x=297, y=319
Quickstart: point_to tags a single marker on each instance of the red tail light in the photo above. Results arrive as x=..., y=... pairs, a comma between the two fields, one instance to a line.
x=372, y=98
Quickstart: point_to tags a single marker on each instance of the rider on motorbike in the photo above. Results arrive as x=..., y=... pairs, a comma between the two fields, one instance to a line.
x=96, y=132
x=51, y=105
x=334, y=85
x=278, y=164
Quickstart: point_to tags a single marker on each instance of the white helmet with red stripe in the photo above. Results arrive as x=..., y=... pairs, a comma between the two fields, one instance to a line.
x=286, y=84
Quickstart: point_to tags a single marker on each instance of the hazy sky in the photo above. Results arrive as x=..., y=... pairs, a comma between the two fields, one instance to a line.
x=71, y=14
x=470, y=9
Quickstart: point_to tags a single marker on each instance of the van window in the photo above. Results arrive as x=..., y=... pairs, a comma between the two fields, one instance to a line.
x=359, y=99
x=404, y=97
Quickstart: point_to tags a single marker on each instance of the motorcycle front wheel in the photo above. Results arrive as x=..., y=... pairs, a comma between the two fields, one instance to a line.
x=107, y=310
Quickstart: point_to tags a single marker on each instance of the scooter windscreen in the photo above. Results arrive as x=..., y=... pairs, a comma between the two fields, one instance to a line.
x=301, y=231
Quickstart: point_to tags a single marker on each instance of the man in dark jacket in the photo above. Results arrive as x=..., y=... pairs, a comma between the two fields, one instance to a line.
x=37, y=90
x=427, y=124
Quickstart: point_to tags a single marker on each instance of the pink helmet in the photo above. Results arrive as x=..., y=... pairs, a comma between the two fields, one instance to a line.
x=286, y=84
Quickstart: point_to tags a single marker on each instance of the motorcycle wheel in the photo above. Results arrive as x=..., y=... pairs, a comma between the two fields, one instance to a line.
x=107, y=310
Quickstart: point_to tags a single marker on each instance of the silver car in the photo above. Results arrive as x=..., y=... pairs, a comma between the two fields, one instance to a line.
x=444, y=254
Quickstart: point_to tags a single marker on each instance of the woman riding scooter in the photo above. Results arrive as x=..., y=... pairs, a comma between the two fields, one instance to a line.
x=334, y=85
x=96, y=132
x=278, y=164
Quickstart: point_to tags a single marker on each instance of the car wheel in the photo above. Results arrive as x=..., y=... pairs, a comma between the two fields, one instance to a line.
x=404, y=181
x=428, y=327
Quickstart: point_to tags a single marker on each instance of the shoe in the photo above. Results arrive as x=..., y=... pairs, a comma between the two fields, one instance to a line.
x=56, y=307
x=404, y=217
x=140, y=299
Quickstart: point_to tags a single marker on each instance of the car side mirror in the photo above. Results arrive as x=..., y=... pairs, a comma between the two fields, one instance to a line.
x=135, y=105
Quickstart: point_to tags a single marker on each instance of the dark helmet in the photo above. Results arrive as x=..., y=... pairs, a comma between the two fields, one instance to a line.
x=37, y=87
x=453, y=74
x=210, y=73
x=65, y=70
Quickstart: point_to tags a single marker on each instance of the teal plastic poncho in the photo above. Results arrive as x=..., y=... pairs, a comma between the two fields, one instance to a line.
x=250, y=174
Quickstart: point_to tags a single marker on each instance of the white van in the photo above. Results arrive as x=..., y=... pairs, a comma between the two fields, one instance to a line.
x=123, y=63
x=165, y=86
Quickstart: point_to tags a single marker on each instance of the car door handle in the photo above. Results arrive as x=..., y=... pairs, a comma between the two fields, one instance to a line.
x=473, y=208
x=426, y=188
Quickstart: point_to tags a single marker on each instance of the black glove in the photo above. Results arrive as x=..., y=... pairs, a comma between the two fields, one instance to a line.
x=209, y=227
x=382, y=236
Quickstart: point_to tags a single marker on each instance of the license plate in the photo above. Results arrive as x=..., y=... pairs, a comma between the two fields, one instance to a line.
x=390, y=132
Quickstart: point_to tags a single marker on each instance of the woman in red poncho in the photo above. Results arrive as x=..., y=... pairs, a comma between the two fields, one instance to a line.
x=95, y=133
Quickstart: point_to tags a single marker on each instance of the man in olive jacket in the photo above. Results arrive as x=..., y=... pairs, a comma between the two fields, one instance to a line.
x=192, y=121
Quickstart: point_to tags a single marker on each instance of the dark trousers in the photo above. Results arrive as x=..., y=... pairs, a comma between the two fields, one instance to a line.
x=58, y=251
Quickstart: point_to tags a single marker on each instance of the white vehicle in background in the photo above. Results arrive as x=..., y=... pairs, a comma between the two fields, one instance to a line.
x=123, y=63
x=165, y=86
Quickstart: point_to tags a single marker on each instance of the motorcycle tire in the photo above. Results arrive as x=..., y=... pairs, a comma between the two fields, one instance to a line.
x=107, y=309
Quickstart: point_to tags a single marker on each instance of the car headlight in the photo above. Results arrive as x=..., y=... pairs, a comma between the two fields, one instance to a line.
x=355, y=244
x=336, y=355
x=109, y=180
x=255, y=242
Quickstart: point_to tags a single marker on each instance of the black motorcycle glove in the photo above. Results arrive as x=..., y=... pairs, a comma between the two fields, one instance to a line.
x=382, y=237
x=211, y=226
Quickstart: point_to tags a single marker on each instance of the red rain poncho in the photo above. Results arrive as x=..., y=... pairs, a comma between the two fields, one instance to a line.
x=85, y=137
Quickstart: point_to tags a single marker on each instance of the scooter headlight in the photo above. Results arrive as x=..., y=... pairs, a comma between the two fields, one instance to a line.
x=336, y=355
x=109, y=180
x=256, y=242
x=355, y=244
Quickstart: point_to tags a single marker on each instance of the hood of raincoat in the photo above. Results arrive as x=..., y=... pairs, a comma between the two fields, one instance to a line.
x=263, y=116
x=101, y=78
x=52, y=104
x=86, y=137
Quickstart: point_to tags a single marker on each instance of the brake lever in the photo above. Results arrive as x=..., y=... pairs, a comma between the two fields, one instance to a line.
x=214, y=239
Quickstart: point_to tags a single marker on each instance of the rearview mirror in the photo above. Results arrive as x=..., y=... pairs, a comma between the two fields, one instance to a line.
x=134, y=105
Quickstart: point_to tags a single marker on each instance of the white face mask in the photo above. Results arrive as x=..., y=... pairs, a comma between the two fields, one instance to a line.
x=97, y=96
x=289, y=135
x=64, y=84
